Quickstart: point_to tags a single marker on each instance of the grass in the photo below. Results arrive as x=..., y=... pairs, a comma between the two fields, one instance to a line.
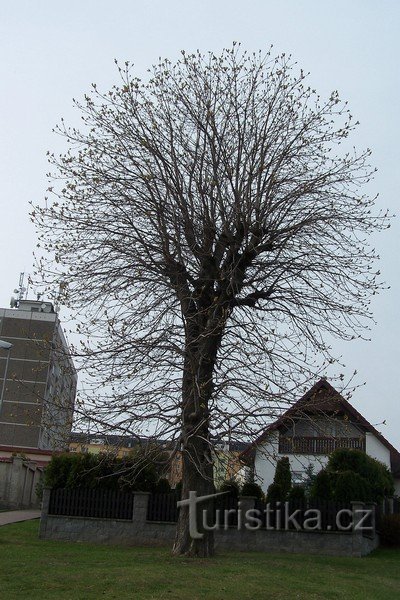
x=36, y=569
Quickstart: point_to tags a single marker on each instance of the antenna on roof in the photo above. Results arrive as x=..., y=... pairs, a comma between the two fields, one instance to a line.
x=20, y=291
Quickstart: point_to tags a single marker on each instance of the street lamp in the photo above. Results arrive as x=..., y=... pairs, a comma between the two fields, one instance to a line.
x=4, y=346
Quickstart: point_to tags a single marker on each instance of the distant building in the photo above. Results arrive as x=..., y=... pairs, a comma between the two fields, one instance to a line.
x=227, y=464
x=40, y=381
x=102, y=443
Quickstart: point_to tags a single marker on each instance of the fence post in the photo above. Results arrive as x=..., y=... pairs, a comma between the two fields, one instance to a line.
x=16, y=483
x=45, y=501
x=140, y=502
x=390, y=501
x=356, y=507
x=45, y=512
x=372, y=507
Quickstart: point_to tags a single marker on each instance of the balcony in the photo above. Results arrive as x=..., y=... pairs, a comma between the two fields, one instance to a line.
x=318, y=445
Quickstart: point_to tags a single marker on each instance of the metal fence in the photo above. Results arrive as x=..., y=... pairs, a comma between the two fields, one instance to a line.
x=98, y=503
x=110, y=504
x=163, y=507
x=328, y=516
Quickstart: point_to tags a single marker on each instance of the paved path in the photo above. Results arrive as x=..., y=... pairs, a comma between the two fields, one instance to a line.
x=13, y=516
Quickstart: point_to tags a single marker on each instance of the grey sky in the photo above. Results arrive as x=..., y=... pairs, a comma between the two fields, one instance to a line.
x=51, y=51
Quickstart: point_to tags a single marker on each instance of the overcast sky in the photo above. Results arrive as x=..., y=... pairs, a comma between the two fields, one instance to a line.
x=51, y=51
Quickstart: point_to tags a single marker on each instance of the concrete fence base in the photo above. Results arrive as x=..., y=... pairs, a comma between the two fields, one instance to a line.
x=140, y=532
x=18, y=481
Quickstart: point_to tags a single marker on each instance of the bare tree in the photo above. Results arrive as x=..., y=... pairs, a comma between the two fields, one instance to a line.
x=210, y=232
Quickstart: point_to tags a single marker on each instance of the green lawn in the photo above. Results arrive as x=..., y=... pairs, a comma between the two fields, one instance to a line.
x=34, y=569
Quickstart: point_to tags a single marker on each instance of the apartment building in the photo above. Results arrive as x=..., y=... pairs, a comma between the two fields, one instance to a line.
x=37, y=380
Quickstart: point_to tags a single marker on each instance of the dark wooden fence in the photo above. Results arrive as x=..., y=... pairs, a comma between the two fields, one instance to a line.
x=83, y=502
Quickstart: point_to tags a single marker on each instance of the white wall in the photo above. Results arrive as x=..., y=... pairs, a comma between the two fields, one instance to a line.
x=265, y=461
x=300, y=462
x=267, y=456
x=376, y=449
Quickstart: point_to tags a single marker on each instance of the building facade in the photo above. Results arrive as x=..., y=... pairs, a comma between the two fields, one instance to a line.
x=37, y=380
x=319, y=423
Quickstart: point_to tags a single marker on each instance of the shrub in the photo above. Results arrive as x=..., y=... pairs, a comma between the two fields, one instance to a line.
x=162, y=486
x=275, y=493
x=230, y=486
x=252, y=489
x=322, y=485
x=377, y=476
x=297, y=492
x=93, y=471
x=350, y=486
x=136, y=472
x=310, y=478
x=57, y=471
x=390, y=530
x=283, y=477
x=353, y=475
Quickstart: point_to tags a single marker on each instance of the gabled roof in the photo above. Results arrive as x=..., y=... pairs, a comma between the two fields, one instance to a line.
x=324, y=399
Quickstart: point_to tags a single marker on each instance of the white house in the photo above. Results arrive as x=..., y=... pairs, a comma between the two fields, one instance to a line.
x=320, y=422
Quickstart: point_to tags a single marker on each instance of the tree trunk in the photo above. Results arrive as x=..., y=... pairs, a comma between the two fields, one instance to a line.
x=193, y=479
x=197, y=463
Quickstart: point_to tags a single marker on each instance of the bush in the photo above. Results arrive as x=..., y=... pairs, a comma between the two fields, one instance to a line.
x=390, y=530
x=162, y=486
x=322, y=486
x=350, y=486
x=309, y=479
x=71, y=470
x=275, y=493
x=283, y=477
x=376, y=474
x=353, y=475
x=297, y=492
x=136, y=472
x=252, y=489
x=230, y=486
